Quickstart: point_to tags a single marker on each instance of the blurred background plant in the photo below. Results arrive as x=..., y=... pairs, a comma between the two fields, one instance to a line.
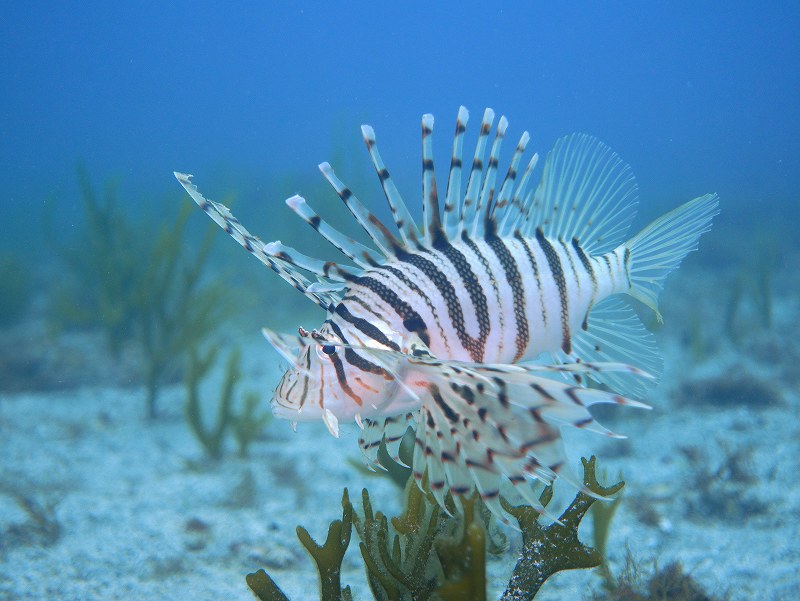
x=15, y=289
x=246, y=425
x=104, y=263
x=139, y=284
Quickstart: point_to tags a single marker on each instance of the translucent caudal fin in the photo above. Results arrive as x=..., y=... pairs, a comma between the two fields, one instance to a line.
x=660, y=247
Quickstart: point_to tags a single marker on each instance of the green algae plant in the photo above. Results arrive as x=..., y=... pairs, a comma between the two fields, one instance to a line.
x=140, y=288
x=103, y=265
x=425, y=554
x=175, y=308
x=246, y=425
x=15, y=289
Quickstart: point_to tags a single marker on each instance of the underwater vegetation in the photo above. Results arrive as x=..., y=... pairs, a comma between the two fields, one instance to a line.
x=102, y=264
x=425, y=554
x=139, y=289
x=723, y=490
x=735, y=388
x=669, y=583
x=15, y=289
x=41, y=528
x=751, y=299
x=245, y=425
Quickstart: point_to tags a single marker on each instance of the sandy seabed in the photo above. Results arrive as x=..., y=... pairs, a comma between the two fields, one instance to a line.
x=141, y=514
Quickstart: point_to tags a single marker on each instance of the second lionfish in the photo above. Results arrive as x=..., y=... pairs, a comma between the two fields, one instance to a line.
x=491, y=326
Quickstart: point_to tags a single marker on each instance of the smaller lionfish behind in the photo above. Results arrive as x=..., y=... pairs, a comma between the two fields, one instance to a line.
x=482, y=329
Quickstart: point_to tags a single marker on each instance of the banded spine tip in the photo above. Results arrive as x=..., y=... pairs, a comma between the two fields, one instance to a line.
x=502, y=125
x=295, y=201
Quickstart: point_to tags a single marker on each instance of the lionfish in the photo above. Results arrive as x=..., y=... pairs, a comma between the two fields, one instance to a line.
x=501, y=319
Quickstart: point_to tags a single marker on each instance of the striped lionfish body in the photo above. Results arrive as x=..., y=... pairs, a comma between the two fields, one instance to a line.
x=483, y=328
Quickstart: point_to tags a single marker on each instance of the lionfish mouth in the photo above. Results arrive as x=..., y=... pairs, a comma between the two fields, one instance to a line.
x=291, y=348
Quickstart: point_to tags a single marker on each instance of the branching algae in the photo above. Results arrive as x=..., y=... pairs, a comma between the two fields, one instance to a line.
x=140, y=290
x=425, y=554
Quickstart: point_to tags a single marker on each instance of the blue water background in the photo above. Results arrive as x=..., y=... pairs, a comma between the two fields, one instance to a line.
x=697, y=96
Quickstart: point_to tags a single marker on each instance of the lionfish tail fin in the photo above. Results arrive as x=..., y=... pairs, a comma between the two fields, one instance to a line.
x=661, y=246
x=480, y=425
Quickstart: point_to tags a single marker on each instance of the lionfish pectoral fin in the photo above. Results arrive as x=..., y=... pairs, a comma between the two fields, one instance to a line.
x=389, y=430
x=615, y=333
x=286, y=346
x=481, y=424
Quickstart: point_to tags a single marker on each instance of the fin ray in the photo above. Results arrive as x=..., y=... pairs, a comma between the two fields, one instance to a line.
x=586, y=192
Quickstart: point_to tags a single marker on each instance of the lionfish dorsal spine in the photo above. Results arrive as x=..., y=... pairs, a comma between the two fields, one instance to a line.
x=486, y=196
x=400, y=213
x=328, y=270
x=223, y=217
x=468, y=205
x=507, y=186
x=515, y=213
x=452, y=203
x=430, y=195
x=383, y=239
x=361, y=255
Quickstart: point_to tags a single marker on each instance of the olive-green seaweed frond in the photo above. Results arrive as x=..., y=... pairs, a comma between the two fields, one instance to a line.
x=554, y=548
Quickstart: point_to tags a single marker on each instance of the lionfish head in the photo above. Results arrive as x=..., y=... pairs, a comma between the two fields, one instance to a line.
x=322, y=382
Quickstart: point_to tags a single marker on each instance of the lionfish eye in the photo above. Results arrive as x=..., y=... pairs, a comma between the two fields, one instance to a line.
x=328, y=349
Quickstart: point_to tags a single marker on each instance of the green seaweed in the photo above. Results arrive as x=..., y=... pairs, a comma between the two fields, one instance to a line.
x=602, y=516
x=139, y=286
x=248, y=423
x=176, y=310
x=330, y=554
x=104, y=264
x=554, y=548
x=15, y=289
x=328, y=558
x=245, y=425
x=197, y=368
x=425, y=554
x=398, y=566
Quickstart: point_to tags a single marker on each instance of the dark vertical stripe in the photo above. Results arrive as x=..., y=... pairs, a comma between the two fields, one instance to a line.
x=408, y=283
x=411, y=319
x=340, y=375
x=572, y=268
x=517, y=290
x=535, y=267
x=305, y=380
x=557, y=272
x=364, y=326
x=485, y=264
x=473, y=287
x=354, y=359
x=610, y=270
x=587, y=265
x=448, y=292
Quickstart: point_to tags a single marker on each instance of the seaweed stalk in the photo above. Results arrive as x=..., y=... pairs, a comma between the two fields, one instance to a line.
x=556, y=547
